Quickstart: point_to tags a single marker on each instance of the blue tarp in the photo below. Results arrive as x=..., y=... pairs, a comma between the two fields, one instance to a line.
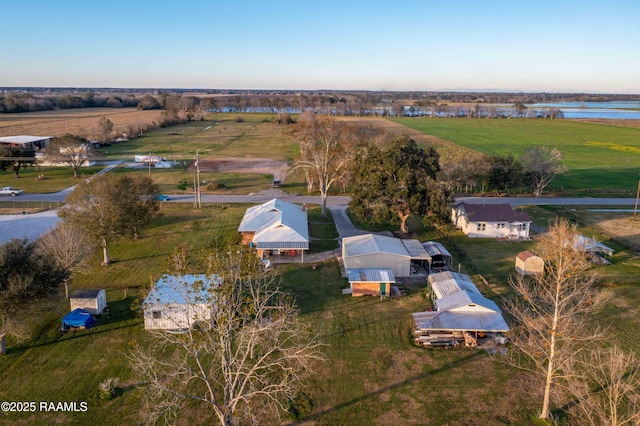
x=78, y=318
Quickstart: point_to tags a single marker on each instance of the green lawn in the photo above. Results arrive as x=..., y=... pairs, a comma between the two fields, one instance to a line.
x=598, y=156
x=44, y=180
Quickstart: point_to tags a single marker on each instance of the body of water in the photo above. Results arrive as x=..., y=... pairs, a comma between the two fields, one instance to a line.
x=622, y=110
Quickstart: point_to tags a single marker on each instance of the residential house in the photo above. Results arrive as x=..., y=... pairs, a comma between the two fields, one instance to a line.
x=488, y=220
x=276, y=227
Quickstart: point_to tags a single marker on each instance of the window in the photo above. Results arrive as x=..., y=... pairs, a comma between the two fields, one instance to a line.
x=156, y=314
x=482, y=226
x=500, y=226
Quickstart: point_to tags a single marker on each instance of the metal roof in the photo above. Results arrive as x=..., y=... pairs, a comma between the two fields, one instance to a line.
x=371, y=275
x=434, y=248
x=181, y=290
x=276, y=223
x=460, y=321
x=362, y=245
x=23, y=139
x=466, y=298
x=415, y=249
x=449, y=282
x=591, y=245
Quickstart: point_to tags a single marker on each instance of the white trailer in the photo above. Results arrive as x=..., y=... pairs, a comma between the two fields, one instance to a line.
x=148, y=159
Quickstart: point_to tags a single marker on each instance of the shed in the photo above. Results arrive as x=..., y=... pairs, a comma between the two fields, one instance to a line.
x=403, y=257
x=441, y=259
x=78, y=318
x=374, y=282
x=176, y=303
x=92, y=301
x=528, y=263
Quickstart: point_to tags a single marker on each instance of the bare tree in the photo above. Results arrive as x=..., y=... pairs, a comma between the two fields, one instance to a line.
x=552, y=311
x=68, y=246
x=327, y=150
x=70, y=150
x=250, y=356
x=606, y=388
x=104, y=129
x=542, y=165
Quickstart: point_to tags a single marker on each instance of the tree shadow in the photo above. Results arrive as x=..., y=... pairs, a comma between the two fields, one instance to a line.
x=316, y=416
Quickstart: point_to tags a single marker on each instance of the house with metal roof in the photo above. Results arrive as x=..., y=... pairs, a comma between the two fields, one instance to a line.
x=276, y=227
x=403, y=257
x=371, y=281
x=460, y=313
x=490, y=220
x=176, y=303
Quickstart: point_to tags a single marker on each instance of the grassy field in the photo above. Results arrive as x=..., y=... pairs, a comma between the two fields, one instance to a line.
x=44, y=180
x=80, y=121
x=373, y=375
x=598, y=156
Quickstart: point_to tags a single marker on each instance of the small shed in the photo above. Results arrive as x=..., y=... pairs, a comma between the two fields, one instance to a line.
x=371, y=281
x=176, y=303
x=78, y=318
x=528, y=263
x=92, y=301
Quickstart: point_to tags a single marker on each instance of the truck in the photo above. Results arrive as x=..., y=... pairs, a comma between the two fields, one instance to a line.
x=7, y=190
x=153, y=159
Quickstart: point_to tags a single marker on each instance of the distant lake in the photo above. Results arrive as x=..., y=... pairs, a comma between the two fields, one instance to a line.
x=622, y=110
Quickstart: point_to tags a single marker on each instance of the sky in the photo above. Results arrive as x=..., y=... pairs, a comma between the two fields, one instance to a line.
x=588, y=46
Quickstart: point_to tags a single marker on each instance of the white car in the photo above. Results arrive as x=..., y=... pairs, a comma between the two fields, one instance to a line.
x=7, y=190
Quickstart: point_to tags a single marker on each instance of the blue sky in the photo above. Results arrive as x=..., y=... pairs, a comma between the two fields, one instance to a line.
x=539, y=45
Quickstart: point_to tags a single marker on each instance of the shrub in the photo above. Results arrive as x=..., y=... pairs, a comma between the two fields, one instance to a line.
x=108, y=388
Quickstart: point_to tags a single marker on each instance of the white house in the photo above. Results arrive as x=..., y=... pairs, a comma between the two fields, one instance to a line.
x=176, y=303
x=491, y=221
x=276, y=227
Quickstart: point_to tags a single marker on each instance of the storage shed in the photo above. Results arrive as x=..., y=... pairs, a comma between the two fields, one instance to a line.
x=373, y=282
x=92, y=301
x=440, y=258
x=403, y=257
x=176, y=303
x=528, y=263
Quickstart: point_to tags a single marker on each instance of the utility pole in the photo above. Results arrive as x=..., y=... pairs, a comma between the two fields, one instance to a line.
x=635, y=209
x=197, y=184
x=149, y=161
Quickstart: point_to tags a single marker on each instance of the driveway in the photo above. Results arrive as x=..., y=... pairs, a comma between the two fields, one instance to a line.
x=29, y=226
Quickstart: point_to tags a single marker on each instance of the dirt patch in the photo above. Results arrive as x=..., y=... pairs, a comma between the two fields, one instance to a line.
x=277, y=168
x=617, y=225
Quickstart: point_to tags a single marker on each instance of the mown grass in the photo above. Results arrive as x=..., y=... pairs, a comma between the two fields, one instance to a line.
x=599, y=157
x=44, y=180
x=373, y=373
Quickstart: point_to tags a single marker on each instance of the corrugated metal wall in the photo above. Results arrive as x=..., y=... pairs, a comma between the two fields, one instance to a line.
x=398, y=264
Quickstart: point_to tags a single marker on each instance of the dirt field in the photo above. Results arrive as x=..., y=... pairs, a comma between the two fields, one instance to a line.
x=617, y=225
x=79, y=121
x=277, y=168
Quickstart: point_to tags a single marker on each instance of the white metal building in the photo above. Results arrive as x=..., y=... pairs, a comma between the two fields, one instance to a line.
x=276, y=226
x=379, y=251
x=26, y=141
x=177, y=302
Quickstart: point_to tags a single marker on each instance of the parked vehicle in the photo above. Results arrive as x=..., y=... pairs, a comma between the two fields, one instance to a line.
x=7, y=190
x=161, y=197
x=153, y=159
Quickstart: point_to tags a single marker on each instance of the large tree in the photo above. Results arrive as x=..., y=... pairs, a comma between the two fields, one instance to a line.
x=104, y=129
x=109, y=206
x=542, y=165
x=552, y=312
x=247, y=360
x=70, y=150
x=397, y=181
x=16, y=158
x=327, y=149
x=68, y=246
x=25, y=276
